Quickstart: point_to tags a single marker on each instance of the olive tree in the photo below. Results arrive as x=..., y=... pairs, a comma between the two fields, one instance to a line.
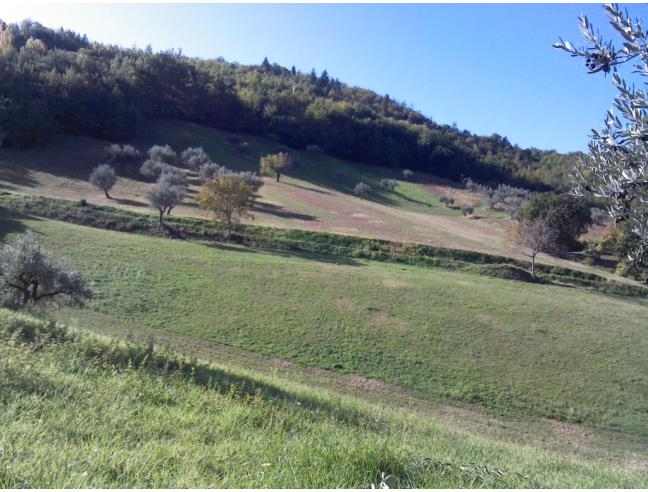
x=276, y=164
x=153, y=169
x=362, y=189
x=467, y=210
x=162, y=153
x=116, y=153
x=209, y=170
x=29, y=275
x=229, y=197
x=388, y=184
x=194, y=157
x=103, y=177
x=167, y=193
x=616, y=168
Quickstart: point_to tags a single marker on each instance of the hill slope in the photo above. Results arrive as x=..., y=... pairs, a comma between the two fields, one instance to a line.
x=310, y=198
x=83, y=412
x=58, y=80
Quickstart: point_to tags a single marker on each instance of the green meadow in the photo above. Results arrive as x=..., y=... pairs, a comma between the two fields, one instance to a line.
x=515, y=348
x=80, y=411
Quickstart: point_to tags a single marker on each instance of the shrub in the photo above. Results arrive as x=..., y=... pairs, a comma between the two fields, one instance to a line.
x=466, y=210
x=408, y=174
x=388, y=184
x=446, y=200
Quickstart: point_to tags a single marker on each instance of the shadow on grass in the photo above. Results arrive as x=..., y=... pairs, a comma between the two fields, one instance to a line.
x=17, y=176
x=314, y=190
x=129, y=202
x=11, y=223
x=333, y=260
x=279, y=211
x=220, y=380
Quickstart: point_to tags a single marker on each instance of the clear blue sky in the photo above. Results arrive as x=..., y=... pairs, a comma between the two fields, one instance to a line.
x=489, y=68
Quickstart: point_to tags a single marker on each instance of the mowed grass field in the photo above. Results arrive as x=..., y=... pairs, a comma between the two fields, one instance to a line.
x=513, y=348
x=310, y=197
x=76, y=414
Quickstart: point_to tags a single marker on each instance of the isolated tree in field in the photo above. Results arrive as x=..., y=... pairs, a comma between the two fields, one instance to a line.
x=229, y=198
x=103, y=177
x=29, y=275
x=467, y=210
x=534, y=236
x=408, y=174
x=446, y=200
x=362, y=189
x=166, y=195
x=388, y=184
x=194, y=157
x=617, y=166
x=340, y=175
x=276, y=164
x=568, y=216
x=162, y=153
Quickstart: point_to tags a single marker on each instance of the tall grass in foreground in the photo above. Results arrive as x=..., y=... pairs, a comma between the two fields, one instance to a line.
x=81, y=411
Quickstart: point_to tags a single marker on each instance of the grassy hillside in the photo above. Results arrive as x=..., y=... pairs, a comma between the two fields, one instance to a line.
x=86, y=412
x=441, y=335
x=310, y=198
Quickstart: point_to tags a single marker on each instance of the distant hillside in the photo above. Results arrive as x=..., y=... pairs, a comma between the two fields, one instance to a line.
x=60, y=81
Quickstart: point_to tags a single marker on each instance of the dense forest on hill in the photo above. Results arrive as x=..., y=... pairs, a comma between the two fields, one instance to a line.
x=57, y=80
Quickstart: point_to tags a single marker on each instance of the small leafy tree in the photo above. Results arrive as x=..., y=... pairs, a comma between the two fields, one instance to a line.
x=209, y=170
x=162, y=153
x=617, y=166
x=447, y=201
x=568, y=216
x=491, y=201
x=362, y=189
x=103, y=177
x=534, y=236
x=276, y=164
x=121, y=154
x=466, y=210
x=194, y=157
x=166, y=195
x=340, y=175
x=229, y=198
x=153, y=169
x=29, y=275
x=388, y=184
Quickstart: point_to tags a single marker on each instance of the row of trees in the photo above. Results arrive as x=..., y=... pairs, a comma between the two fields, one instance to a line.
x=229, y=195
x=58, y=81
